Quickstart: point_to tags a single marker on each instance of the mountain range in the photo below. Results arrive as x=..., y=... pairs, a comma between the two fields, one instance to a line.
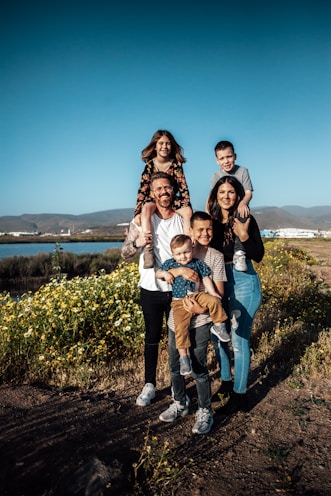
x=107, y=221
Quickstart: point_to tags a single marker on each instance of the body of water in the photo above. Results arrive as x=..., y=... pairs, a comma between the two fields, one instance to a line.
x=28, y=249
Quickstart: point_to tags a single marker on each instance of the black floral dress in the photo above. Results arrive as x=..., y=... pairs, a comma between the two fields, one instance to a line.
x=182, y=198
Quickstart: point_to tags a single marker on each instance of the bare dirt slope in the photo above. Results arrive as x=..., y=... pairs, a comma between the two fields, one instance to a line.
x=321, y=250
x=84, y=443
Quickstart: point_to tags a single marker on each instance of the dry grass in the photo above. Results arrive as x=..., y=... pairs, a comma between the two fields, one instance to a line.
x=291, y=331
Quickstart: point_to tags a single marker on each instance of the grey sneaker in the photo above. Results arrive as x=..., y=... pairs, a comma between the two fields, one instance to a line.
x=146, y=395
x=187, y=398
x=148, y=257
x=174, y=411
x=185, y=365
x=221, y=332
x=239, y=260
x=203, y=421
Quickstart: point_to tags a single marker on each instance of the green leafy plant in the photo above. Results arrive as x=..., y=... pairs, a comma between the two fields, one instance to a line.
x=156, y=467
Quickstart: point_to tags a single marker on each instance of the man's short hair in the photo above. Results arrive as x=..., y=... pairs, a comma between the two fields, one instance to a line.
x=164, y=175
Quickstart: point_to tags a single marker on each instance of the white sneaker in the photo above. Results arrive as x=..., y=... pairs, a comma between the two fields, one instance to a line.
x=203, y=421
x=174, y=411
x=146, y=395
x=239, y=261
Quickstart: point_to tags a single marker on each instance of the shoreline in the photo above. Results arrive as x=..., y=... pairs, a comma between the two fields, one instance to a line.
x=60, y=239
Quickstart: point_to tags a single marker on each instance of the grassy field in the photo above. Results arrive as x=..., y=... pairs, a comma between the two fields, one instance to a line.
x=68, y=331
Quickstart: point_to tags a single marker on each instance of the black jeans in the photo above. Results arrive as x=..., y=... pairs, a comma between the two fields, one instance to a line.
x=198, y=352
x=155, y=306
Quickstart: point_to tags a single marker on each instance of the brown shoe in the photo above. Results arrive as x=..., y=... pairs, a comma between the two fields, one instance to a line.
x=148, y=257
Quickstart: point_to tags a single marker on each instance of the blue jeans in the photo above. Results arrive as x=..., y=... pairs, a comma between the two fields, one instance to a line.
x=242, y=298
x=198, y=352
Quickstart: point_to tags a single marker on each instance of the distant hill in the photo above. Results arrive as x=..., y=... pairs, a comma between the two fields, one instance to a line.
x=56, y=223
x=293, y=216
x=106, y=221
x=320, y=216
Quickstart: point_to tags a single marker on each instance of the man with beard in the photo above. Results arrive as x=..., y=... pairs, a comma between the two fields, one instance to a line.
x=155, y=294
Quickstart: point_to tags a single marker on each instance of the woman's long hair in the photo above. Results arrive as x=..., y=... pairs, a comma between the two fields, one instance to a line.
x=215, y=210
x=176, y=152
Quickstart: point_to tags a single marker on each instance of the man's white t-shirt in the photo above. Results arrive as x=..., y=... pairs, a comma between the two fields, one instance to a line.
x=163, y=231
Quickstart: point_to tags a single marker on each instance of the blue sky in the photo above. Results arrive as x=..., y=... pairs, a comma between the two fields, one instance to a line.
x=84, y=85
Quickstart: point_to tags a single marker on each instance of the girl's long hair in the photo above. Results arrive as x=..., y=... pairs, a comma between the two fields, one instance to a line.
x=215, y=210
x=176, y=152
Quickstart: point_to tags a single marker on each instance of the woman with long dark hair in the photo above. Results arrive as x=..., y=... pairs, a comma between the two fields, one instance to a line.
x=242, y=291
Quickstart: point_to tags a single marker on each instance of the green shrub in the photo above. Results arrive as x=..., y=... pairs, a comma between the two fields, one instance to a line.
x=79, y=323
x=71, y=329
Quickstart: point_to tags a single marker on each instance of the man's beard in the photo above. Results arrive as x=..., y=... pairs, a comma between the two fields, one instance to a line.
x=165, y=202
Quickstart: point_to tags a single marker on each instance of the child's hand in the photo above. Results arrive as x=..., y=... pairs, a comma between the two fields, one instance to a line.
x=243, y=209
x=240, y=229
